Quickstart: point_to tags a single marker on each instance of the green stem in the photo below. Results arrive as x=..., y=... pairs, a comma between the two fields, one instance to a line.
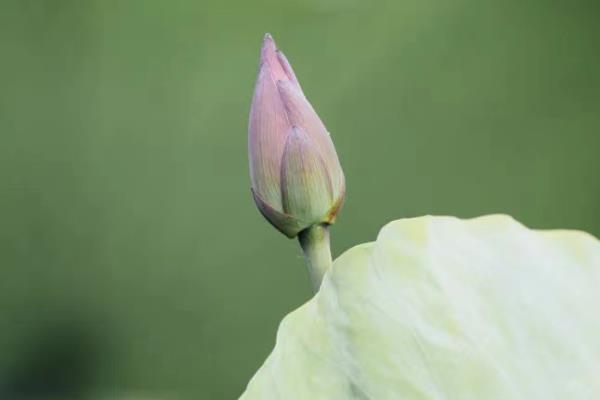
x=315, y=245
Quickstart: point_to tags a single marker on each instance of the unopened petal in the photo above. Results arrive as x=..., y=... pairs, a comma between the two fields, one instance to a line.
x=287, y=67
x=267, y=133
x=301, y=113
x=305, y=184
x=285, y=223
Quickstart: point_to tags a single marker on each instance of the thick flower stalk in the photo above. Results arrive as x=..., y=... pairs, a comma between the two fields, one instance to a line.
x=297, y=181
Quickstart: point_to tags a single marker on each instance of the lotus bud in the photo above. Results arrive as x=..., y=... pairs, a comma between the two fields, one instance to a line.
x=297, y=180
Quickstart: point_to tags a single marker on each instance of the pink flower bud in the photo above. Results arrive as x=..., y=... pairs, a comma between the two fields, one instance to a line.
x=297, y=180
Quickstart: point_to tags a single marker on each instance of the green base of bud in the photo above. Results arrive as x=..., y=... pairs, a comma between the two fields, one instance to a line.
x=314, y=241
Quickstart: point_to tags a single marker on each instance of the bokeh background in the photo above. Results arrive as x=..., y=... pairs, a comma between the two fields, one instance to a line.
x=133, y=263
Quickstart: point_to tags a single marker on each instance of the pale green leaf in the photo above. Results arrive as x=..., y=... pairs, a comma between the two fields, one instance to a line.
x=443, y=308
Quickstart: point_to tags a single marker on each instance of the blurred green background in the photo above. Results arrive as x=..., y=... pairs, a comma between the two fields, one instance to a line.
x=132, y=259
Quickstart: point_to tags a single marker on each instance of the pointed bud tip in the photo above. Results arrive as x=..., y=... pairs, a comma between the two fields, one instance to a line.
x=269, y=48
x=270, y=59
